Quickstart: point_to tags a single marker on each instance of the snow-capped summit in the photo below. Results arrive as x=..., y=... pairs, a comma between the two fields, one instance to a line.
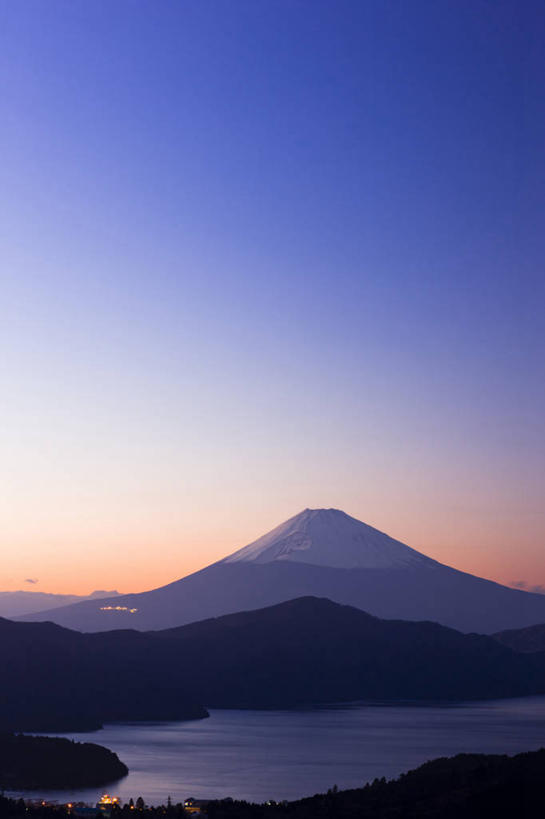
x=329, y=537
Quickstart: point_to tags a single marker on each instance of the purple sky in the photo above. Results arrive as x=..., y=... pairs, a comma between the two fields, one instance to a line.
x=265, y=255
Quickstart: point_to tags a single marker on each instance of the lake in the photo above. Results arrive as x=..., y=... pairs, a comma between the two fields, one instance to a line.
x=261, y=755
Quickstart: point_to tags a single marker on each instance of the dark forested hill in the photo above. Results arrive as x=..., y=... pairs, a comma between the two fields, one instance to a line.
x=467, y=786
x=312, y=650
x=45, y=762
x=527, y=640
x=305, y=651
x=54, y=679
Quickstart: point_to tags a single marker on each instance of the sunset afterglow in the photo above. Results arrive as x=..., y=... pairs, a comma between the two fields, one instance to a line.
x=260, y=262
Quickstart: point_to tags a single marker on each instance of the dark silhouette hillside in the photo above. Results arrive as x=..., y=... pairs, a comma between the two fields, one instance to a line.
x=527, y=640
x=54, y=679
x=467, y=786
x=45, y=762
x=313, y=650
x=304, y=651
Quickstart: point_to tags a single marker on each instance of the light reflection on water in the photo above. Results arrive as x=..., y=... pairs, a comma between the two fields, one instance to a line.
x=259, y=755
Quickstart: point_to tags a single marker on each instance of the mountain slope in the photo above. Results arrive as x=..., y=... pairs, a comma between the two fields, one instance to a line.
x=329, y=537
x=466, y=786
x=527, y=640
x=325, y=553
x=54, y=679
x=312, y=650
x=304, y=651
x=31, y=763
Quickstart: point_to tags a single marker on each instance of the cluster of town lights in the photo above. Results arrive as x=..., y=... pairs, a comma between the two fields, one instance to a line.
x=118, y=608
x=108, y=800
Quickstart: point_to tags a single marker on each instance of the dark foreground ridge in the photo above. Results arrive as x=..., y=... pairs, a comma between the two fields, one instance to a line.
x=29, y=763
x=526, y=640
x=305, y=651
x=467, y=786
x=54, y=680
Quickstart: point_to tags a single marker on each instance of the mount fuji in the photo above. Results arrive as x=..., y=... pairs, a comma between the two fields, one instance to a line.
x=322, y=553
x=329, y=537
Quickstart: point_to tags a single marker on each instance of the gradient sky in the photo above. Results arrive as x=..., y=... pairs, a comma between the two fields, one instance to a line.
x=259, y=255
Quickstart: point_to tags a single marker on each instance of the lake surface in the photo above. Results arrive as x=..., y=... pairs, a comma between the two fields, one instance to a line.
x=261, y=755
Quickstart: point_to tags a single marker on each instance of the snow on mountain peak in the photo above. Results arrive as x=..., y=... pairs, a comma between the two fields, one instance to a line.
x=330, y=537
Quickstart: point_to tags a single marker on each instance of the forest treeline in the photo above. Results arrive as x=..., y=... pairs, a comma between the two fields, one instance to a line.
x=467, y=786
x=30, y=763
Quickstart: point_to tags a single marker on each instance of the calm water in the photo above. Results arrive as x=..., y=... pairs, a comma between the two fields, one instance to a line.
x=259, y=755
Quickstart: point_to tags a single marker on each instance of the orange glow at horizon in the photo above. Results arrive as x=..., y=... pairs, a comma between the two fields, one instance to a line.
x=135, y=563
x=211, y=322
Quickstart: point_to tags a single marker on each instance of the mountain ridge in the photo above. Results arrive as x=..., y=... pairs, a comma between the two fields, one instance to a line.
x=290, y=562
x=529, y=639
x=302, y=652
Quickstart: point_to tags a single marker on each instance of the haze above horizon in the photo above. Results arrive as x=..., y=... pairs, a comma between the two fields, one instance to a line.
x=266, y=256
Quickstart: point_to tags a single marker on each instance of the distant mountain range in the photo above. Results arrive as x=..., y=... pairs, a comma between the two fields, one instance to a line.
x=326, y=553
x=17, y=603
x=305, y=651
x=527, y=640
